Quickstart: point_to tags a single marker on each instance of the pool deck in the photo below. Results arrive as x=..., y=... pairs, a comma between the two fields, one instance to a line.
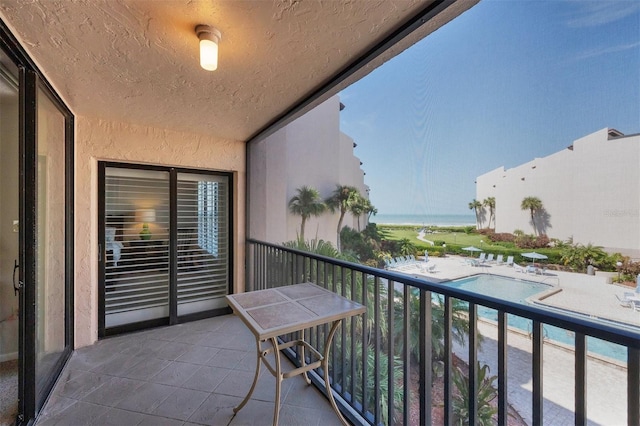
x=590, y=295
x=586, y=294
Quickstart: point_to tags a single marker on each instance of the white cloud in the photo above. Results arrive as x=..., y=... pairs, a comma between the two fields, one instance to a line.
x=596, y=13
x=606, y=50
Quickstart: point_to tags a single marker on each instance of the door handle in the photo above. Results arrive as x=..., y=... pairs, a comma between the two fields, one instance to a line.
x=16, y=287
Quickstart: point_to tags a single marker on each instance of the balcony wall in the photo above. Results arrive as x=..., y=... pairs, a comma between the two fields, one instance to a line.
x=98, y=140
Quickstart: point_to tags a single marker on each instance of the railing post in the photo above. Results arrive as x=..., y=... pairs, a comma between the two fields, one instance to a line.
x=426, y=375
x=538, y=398
x=633, y=386
x=365, y=344
x=448, y=361
x=376, y=351
x=581, y=380
x=502, y=369
x=473, y=363
x=406, y=342
x=391, y=350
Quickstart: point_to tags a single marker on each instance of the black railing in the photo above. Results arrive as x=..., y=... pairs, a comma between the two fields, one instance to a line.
x=380, y=374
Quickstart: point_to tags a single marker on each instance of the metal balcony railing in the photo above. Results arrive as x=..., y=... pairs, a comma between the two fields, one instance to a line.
x=376, y=381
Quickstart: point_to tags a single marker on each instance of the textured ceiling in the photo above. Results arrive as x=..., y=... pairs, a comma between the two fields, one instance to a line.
x=137, y=61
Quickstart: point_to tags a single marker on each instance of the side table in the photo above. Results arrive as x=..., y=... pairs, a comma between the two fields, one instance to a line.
x=291, y=309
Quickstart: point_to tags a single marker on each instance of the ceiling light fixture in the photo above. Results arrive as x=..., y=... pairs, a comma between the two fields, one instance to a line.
x=209, y=39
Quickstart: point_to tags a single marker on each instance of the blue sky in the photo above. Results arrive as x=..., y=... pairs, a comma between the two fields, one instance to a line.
x=503, y=83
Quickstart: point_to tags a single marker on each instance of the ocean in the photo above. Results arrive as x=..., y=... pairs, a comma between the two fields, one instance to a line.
x=426, y=219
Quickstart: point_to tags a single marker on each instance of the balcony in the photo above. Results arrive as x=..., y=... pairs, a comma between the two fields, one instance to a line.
x=196, y=372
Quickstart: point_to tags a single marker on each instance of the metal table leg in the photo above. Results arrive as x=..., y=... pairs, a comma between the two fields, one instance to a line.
x=325, y=368
x=278, y=376
x=255, y=378
x=276, y=370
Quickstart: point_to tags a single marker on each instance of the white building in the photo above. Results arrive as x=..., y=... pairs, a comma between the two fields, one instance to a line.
x=310, y=151
x=590, y=192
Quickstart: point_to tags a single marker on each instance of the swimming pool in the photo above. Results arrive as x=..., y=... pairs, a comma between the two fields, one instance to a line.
x=516, y=290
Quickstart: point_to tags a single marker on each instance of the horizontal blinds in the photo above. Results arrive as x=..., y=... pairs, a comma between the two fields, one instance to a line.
x=137, y=245
x=203, y=242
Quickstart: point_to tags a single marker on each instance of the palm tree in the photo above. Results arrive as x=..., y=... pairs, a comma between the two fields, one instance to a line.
x=476, y=205
x=306, y=203
x=406, y=247
x=491, y=203
x=533, y=204
x=342, y=198
x=358, y=208
x=371, y=210
x=580, y=256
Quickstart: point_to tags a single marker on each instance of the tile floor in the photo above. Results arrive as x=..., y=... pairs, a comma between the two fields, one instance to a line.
x=188, y=374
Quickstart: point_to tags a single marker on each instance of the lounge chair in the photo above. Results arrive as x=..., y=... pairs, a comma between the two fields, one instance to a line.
x=499, y=260
x=624, y=301
x=482, y=257
x=510, y=261
x=490, y=258
x=518, y=268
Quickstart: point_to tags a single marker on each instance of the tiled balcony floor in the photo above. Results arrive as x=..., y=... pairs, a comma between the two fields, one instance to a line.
x=188, y=374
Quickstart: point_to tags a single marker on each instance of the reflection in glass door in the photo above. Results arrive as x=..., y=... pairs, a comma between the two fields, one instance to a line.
x=203, y=242
x=50, y=250
x=9, y=241
x=136, y=248
x=165, y=246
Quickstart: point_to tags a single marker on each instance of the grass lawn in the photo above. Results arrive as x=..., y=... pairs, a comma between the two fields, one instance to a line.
x=458, y=238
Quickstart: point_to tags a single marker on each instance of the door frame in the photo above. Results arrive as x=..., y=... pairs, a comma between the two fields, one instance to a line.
x=30, y=399
x=173, y=317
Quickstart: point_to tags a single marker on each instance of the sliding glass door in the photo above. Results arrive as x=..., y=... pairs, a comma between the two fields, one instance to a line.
x=203, y=242
x=45, y=229
x=36, y=234
x=51, y=339
x=136, y=235
x=164, y=244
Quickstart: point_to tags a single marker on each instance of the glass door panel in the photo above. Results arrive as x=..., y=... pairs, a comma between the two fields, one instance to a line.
x=203, y=242
x=50, y=248
x=9, y=241
x=136, y=238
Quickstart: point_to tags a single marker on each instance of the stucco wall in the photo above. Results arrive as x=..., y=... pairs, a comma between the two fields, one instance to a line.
x=310, y=151
x=590, y=193
x=114, y=141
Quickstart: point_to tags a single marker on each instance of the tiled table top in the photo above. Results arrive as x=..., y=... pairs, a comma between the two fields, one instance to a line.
x=277, y=311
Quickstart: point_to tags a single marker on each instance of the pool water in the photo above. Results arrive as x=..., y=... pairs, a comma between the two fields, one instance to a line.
x=504, y=288
x=515, y=290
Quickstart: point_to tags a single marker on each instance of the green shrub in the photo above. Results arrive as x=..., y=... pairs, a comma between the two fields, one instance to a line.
x=579, y=256
x=354, y=242
x=487, y=392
